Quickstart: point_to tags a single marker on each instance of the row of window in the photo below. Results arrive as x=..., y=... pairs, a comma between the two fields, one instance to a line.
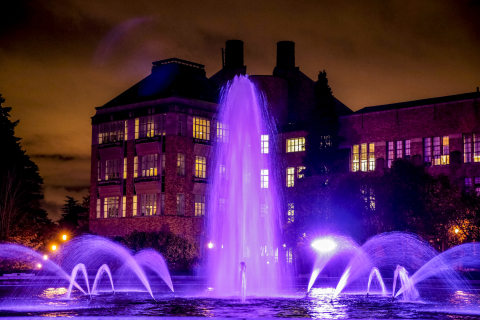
x=471, y=183
x=152, y=126
x=436, y=151
x=146, y=205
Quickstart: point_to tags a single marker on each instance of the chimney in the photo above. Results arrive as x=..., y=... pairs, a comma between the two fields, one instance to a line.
x=285, y=55
x=234, y=54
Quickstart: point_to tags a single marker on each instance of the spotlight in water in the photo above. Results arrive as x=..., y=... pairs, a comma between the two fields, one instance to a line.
x=39, y=265
x=324, y=245
x=210, y=245
x=45, y=257
x=54, y=247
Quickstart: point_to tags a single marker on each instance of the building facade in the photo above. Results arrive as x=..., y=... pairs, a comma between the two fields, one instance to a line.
x=441, y=134
x=151, y=145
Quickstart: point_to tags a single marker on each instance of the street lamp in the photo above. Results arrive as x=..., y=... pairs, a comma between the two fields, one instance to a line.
x=456, y=230
x=64, y=237
x=54, y=247
x=210, y=245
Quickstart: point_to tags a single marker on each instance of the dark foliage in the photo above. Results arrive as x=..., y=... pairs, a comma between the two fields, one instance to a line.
x=22, y=219
x=179, y=253
x=322, y=140
x=75, y=216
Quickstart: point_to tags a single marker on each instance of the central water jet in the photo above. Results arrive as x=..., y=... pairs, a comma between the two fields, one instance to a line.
x=244, y=206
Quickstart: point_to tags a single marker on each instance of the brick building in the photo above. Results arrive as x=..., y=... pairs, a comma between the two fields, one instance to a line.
x=442, y=134
x=151, y=144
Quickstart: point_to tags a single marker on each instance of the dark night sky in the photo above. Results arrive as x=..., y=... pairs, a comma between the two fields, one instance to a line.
x=60, y=59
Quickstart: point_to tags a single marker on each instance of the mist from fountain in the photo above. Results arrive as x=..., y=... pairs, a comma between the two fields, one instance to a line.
x=376, y=272
x=244, y=206
x=342, y=245
x=102, y=270
x=386, y=251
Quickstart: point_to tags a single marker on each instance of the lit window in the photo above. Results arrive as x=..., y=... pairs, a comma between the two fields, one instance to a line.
x=99, y=171
x=467, y=148
x=290, y=212
x=264, y=143
x=151, y=126
x=296, y=145
x=397, y=150
x=221, y=205
x=263, y=210
x=222, y=132
x=356, y=158
x=135, y=167
x=436, y=153
x=110, y=207
x=182, y=125
x=300, y=172
x=371, y=156
x=180, y=204
x=468, y=184
x=363, y=157
x=180, y=164
x=99, y=207
x=124, y=168
x=134, y=205
x=124, y=206
x=149, y=165
x=264, y=178
x=200, y=167
x=148, y=204
x=199, y=205
x=163, y=164
x=201, y=128
x=290, y=177
x=477, y=186
x=476, y=147
x=112, y=169
x=111, y=131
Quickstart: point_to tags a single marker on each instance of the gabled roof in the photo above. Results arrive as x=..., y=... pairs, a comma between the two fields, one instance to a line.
x=171, y=77
x=418, y=103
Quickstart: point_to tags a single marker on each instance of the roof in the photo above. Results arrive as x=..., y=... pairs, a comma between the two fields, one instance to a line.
x=170, y=77
x=418, y=103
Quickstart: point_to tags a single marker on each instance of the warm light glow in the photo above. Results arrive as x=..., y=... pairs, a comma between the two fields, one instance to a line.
x=324, y=245
x=45, y=257
x=64, y=237
x=456, y=230
x=39, y=265
x=210, y=245
x=54, y=247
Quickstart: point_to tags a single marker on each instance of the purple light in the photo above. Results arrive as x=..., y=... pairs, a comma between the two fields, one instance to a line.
x=324, y=245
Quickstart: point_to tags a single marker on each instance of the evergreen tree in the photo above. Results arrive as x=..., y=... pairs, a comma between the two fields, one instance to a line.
x=322, y=140
x=75, y=216
x=21, y=217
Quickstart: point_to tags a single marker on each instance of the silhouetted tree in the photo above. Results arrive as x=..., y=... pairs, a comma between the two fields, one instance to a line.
x=21, y=217
x=322, y=140
x=75, y=216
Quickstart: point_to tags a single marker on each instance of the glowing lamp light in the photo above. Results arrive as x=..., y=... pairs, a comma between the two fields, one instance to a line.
x=324, y=245
x=456, y=230
x=45, y=257
x=39, y=265
x=210, y=245
x=64, y=237
x=54, y=247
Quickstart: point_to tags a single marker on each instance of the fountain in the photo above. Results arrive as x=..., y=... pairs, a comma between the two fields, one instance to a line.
x=244, y=225
x=102, y=270
x=80, y=266
x=244, y=211
x=376, y=272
